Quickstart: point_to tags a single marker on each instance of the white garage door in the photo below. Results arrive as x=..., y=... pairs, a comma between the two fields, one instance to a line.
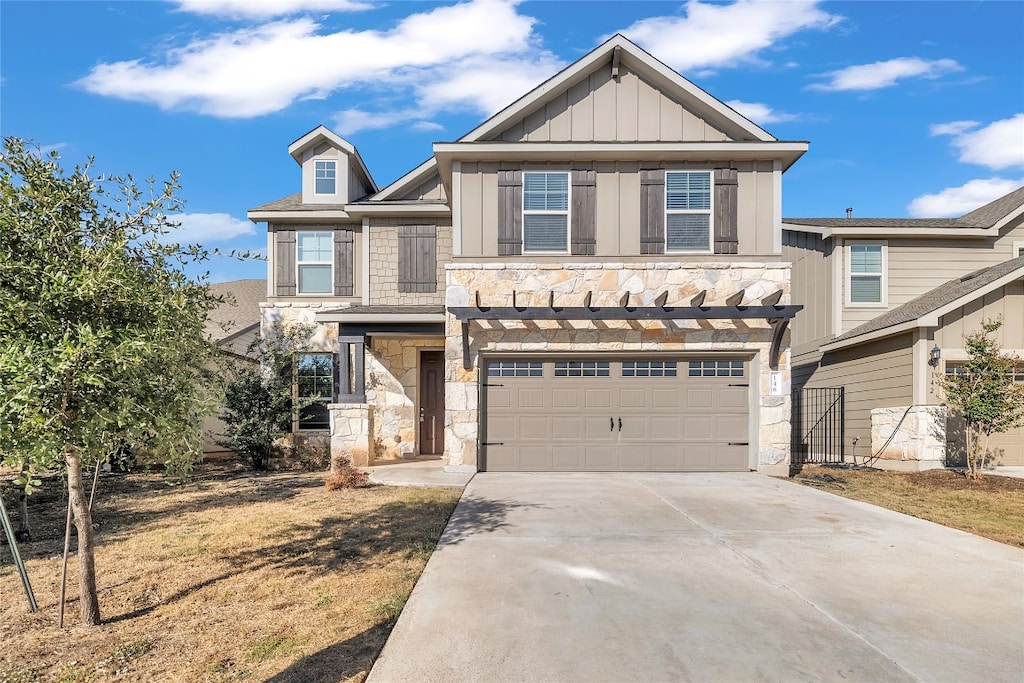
x=623, y=414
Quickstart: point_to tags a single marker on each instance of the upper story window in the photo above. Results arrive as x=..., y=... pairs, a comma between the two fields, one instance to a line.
x=866, y=280
x=326, y=177
x=315, y=263
x=546, y=211
x=687, y=211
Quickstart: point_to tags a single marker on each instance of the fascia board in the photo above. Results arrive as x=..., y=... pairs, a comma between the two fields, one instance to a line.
x=1002, y=222
x=357, y=210
x=892, y=233
x=870, y=336
x=379, y=318
x=311, y=216
x=932, y=319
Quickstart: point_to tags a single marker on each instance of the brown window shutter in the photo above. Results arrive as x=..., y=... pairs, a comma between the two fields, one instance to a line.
x=652, y=211
x=510, y=213
x=417, y=258
x=726, y=240
x=344, y=263
x=284, y=260
x=584, y=202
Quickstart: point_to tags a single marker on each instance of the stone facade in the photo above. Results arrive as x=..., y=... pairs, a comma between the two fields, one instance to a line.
x=283, y=314
x=384, y=260
x=392, y=385
x=909, y=439
x=351, y=425
x=532, y=283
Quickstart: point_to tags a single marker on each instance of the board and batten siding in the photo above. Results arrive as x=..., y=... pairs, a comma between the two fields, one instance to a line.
x=1005, y=303
x=916, y=266
x=431, y=189
x=812, y=286
x=876, y=375
x=599, y=109
x=617, y=204
x=385, y=273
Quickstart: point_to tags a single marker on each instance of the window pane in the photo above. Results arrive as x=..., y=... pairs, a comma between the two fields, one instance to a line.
x=325, y=177
x=545, y=233
x=865, y=258
x=688, y=191
x=545, y=191
x=315, y=280
x=687, y=232
x=866, y=289
x=315, y=246
x=314, y=416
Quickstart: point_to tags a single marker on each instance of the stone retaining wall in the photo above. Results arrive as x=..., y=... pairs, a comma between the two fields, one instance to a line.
x=909, y=439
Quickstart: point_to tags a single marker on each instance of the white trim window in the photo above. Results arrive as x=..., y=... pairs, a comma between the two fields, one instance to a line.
x=314, y=254
x=546, y=212
x=1018, y=249
x=325, y=176
x=866, y=281
x=688, y=211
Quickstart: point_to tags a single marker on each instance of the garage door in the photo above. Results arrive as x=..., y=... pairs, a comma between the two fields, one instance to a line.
x=659, y=415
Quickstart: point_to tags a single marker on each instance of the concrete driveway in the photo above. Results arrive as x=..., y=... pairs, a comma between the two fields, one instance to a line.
x=702, y=577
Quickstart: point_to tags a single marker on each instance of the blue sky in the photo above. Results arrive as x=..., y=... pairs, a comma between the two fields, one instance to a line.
x=911, y=108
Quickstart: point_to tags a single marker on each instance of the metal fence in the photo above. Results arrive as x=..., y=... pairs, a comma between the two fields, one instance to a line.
x=819, y=423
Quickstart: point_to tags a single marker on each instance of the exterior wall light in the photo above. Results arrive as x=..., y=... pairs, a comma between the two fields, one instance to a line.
x=934, y=355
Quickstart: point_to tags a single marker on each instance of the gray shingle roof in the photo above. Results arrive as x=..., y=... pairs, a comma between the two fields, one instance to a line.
x=983, y=217
x=293, y=202
x=242, y=311
x=936, y=298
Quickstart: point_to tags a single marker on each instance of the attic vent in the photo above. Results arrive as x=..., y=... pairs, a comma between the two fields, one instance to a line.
x=970, y=276
x=616, y=55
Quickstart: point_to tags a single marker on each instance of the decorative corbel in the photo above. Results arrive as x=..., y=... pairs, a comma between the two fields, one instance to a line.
x=772, y=299
x=661, y=299
x=779, y=326
x=698, y=301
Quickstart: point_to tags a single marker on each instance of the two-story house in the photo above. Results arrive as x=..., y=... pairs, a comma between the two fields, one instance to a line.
x=592, y=279
x=887, y=302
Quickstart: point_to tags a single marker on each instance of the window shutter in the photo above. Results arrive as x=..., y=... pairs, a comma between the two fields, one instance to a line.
x=726, y=241
x=584, y=201
x=417, y=258
x=652, y=211
x=510, y=213
x=284, y=260
x=344, y=263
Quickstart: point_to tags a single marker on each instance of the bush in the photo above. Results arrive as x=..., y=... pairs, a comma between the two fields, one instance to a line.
x=345, y=476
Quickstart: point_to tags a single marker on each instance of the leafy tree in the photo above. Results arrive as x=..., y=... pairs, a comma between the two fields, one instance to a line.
x=258, y=403
x=984, y=394
x=101, y=329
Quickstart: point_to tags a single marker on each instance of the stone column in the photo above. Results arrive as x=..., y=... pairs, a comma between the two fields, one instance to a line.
x=350, y=432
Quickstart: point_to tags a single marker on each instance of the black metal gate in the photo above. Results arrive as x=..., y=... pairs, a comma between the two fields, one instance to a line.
x=818, y=423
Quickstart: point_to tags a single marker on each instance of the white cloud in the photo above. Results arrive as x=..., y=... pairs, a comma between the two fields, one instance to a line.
x=885, y=74
x=263, y=69
x=714, y=35
x=998, y=145
x=202, y=228
x=350, y=121
x=761, y=113
x=488, y=83
x=427, y=126
x=956, y=201
x=263, y=9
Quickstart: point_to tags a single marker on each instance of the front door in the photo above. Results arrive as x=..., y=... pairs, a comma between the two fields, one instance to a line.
x=432, y=403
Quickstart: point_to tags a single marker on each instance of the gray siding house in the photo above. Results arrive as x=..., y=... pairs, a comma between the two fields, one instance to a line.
x=591, y=280
x=887, y=302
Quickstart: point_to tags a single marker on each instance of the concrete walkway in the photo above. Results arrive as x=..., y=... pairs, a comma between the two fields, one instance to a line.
x=416, y=472
x=694, y=577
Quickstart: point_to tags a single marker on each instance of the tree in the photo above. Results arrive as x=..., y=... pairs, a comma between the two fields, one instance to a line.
x=101, y=329
x=258, y=403
x=984, y=394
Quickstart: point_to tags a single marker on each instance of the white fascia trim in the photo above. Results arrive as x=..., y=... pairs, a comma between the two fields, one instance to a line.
x=366, y=261
x=311, y=216
x=597, y=56
x=409, y=180
x=457, y=208
x=868, y=233
x=871, y=336
x=379, y=318
x=357, y=210
x=777, y=208
x=652, y=151
x=1008, y=218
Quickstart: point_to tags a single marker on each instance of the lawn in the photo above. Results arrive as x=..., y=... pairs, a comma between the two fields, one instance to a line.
x=236, y=576
x=992, y=507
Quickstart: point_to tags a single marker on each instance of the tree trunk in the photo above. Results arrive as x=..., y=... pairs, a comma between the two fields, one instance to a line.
x=24, y=531
x=89, y=605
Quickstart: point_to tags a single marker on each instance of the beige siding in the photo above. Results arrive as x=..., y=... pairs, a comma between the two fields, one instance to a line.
x=916, y=266
x=876, y=375
x=430, y=189
x=1006, y=303
x=618, y=205
x=599, y=109
x=812, y=288
x=384, y=262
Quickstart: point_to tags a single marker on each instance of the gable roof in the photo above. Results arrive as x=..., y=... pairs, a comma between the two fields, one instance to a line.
x=324, y=134
x=926, y=309
x=984, y=220
x=240, y=314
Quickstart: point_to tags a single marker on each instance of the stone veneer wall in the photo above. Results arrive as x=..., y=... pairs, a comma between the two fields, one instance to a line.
x=392, y=379
x=608, y=281
x=384, y=263
x=909, y=439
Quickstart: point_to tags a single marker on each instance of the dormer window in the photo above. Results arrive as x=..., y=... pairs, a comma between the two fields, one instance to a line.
x=326, y=177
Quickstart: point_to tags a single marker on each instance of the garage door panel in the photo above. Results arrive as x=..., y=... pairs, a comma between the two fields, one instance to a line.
x=675, y=416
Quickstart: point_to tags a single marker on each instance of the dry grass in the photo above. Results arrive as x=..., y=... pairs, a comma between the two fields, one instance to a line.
x=992, y=507
x=236, y=576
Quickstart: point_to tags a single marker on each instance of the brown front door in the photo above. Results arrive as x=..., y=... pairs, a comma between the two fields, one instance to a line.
x=432, y=402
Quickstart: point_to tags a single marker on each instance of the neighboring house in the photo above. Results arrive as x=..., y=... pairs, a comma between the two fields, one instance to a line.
x=591, y=279
x=887, y=303
x=234, y=326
